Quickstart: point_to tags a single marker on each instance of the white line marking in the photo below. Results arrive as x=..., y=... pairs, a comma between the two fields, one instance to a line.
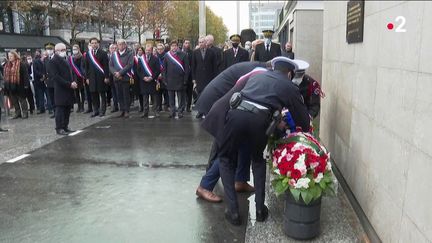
x=17, y=158
x=75, y=133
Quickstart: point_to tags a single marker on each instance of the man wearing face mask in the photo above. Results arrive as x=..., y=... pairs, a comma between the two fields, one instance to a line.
x=63, y=89
x=248, y=47
x=235, y=54
x=267, y=50
x=39, y=85
x=49, y=47
x=310, y=90
x=30, y=91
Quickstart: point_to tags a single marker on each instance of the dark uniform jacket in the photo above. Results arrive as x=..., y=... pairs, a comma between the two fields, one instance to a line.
x=262, y=55
x=62, y=79
x=214, y=121
x=95, y=76
x=229, y=59
x=148, y=87
x=311, y=92
x=175, y=77
x=274, y=90
x=289, y=54
x=203, y=70
x=222, y=84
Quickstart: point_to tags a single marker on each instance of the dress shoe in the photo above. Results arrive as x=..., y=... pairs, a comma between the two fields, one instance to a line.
x=180, y=115
x=157, y=115
x=16, y=117
x=207, y=195
x=172, y=116
x=199, y=116
x=126, y=115
x=31, y=112
x=241, y=186
x=68, y=130
x=62, y=132
x=121, y=115
x=3, y=130
x=50, y=112
x=88, y=111
x=52, y=116
x=144, y=116
x=188, y=110
x=233, y=218
x=25, y=117
x=94, y=115
x=114, y=110
x=261, y=215
x=102, y=114
x=40, y=112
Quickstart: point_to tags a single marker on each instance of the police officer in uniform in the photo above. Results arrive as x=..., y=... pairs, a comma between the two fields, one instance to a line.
x=235, y=54
x=310, y=90
x=248, y=120
x=267, y=50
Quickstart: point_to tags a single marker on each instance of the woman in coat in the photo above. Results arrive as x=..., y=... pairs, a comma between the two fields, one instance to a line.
x=75, y=62
x=16, y=83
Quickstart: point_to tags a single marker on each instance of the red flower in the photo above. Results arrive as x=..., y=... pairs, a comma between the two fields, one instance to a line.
x=296, y=174
x=285, y=167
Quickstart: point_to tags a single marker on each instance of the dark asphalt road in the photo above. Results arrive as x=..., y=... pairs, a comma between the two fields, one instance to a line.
x=118, y=181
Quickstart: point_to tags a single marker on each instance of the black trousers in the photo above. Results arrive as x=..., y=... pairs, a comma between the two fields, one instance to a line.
x=89, y=98
x=62, y=114
x=243, y=126
x=80, y=97
x=162, y=93
x=172, y=101
x=188, y=96
x=51, y=103
x=99, y=105
x=30, y=99
x=146, y=106
x=40, y=91
x=123, y=95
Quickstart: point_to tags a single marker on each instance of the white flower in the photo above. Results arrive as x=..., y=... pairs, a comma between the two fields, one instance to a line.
x=284, y=152
x=302, y=183
x=302, y=159
x=301, y=167
x=313, y=165
x=329, y=166
x=277, y=171
x=319, y=177
x=292, y=182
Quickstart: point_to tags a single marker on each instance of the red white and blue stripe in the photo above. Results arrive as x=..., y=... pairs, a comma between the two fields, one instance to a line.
x=255, y=71
x=176, y=60
x=75, y=68
x=118, y=62
x=146, y=66
x=95, y=62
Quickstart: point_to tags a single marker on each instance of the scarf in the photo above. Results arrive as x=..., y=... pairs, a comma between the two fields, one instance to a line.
x=12, y=71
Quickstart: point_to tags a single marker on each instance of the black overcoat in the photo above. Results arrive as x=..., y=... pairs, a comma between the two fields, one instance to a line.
x=148, y=87
x=203, y=70
x=62, y=79
x=95, y=76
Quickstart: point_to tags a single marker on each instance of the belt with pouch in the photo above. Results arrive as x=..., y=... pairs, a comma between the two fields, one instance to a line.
x=250, y=106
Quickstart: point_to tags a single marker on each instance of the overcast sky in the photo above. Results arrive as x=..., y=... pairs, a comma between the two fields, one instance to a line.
x=227, y=10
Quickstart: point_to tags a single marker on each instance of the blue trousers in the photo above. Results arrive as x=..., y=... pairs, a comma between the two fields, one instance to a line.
x=210, y=179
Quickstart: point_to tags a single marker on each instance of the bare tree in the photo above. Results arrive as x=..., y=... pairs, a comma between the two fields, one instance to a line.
x=33, y=14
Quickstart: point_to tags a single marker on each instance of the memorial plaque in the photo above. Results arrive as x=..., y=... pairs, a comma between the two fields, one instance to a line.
x=355, y=21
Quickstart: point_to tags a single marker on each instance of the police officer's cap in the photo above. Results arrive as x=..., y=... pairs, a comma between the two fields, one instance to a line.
x=49, y=45
x=235, y=38
x=287, y=63
x=268, y=33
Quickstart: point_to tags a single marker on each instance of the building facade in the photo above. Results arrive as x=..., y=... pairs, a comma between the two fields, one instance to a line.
x=301, y=23
x=377, y=113
x=262, y=16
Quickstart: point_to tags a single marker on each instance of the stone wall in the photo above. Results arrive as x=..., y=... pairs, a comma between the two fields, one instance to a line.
x=376, y=118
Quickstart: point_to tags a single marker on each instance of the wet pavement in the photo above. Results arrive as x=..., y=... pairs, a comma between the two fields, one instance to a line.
x=119, y=180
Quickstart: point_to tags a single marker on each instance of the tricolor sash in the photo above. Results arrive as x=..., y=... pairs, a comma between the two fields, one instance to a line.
x=175, y=60
x=95, y=62
x=255, y=71
x=146, y=66
x=118, y=62
x=75, y=68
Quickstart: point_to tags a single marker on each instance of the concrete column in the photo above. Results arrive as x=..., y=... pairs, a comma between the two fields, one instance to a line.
x=202, y=18
x=47, y=26
x=238, y=17
x=15, y=19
